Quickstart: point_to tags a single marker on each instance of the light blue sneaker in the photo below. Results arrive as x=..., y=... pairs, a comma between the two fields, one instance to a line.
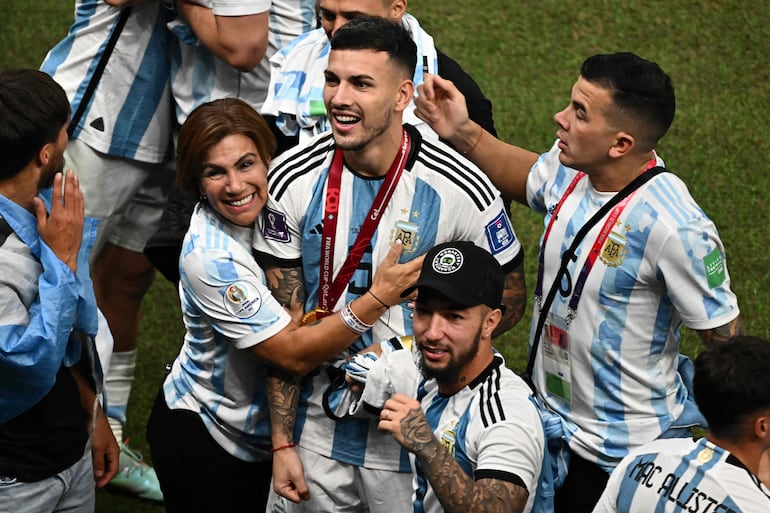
x=135, y=477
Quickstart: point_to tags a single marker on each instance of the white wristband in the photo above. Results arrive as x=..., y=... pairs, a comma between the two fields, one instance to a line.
x=352, y=321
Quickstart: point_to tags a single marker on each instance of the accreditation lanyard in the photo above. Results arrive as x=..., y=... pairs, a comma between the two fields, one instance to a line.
x=329, y=292
x=601, y=239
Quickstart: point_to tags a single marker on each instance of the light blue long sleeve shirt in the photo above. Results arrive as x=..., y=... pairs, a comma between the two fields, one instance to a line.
x=41, y=302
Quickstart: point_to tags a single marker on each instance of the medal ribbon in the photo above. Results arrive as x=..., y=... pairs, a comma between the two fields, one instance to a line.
x=329, y=292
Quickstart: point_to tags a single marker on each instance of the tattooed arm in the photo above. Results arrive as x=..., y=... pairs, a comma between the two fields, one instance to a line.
x=403, y=417
x=288, y=472
x=288, y=288
x=514, y=300
x=722, y=333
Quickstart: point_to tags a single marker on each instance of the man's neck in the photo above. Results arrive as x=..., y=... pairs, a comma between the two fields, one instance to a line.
x=615, y=176
x=748, y=453
x=22, y=188
x=467, y=375
x=376, y=158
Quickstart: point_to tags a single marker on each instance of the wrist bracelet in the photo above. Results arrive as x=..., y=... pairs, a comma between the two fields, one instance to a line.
x=280, y=447
x=352, y=321
x=481, y=132
x=378, y=299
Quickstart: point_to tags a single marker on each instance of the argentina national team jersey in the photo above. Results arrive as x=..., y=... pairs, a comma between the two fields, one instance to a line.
x=615, y=379
x=130, y=114
x=440, y=197
x=490, y=427
x=198, y=76
x=682, y=475
x=227, y=309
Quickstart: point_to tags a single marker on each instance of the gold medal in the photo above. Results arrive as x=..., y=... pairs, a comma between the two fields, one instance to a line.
x=314, y=315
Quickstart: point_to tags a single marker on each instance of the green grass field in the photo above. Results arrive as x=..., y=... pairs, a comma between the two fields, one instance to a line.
x=526, y=55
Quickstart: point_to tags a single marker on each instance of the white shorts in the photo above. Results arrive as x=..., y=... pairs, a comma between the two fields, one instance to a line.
x=127, y=196
x=337, y=487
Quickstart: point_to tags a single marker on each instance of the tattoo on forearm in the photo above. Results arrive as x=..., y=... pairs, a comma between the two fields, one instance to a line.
x=514, y=300
x=283, y=394
x=416, y=431
x=459, y=493
x=456, y=490
x=287, y=286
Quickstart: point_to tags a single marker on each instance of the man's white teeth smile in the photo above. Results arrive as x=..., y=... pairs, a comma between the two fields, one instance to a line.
x=346, y=119
x=240, y=202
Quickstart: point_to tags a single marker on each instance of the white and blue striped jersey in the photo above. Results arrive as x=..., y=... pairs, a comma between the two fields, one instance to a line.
x=130, y=114
x=227, y=309
x=198, y=76
x=663, y=265
x=440, y=197
x=492, y=429
x=682, y=475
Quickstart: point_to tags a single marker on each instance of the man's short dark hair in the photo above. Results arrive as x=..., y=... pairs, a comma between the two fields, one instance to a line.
x=33, y=109
x=732, y=382
x=639, y=88
x=381, y=35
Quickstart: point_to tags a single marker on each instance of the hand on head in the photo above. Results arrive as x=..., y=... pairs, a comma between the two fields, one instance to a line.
x=442, y=106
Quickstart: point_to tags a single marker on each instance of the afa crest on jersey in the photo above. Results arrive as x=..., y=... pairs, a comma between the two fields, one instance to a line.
x=615, y=250
x=448, y=440
x=409, y=233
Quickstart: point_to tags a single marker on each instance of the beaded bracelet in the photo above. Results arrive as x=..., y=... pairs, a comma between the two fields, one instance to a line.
x=287, y=446
x=352, y=321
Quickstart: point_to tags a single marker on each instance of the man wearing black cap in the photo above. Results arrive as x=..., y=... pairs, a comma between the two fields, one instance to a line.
x=476, y=437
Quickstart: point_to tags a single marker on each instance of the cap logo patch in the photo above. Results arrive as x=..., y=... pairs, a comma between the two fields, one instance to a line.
x=242, y=299
x=447, y=261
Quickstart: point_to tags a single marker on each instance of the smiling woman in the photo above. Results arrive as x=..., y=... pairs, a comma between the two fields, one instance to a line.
x=215, y=397
x=234, y=180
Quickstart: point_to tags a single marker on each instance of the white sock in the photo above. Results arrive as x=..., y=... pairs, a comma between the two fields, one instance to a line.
x=117, y=389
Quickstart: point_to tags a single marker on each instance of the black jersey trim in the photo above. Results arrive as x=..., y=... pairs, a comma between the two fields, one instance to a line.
x=500, y=475
x=298, y=162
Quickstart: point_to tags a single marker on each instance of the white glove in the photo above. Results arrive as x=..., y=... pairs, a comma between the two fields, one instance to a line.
x=359, y=366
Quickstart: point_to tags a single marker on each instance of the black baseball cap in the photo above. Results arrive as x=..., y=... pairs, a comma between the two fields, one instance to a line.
x=464, y=273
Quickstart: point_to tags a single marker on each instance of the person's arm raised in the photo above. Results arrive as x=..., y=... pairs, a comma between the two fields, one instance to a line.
x=442, y=107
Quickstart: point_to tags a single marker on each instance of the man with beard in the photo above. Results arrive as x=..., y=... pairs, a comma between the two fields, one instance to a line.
x=49, y=369
x=336, y=204
x=476, y=436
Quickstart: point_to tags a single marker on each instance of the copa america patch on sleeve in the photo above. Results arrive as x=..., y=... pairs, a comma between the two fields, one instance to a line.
x=499, y=233
x=242, y=299
x=274, y=225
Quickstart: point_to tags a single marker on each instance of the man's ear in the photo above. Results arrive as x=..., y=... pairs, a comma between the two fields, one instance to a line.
x=624, y=144
x=761, y=427
x=44, y=154
x=397, y=9
x=491, y=320
x=405, y=95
